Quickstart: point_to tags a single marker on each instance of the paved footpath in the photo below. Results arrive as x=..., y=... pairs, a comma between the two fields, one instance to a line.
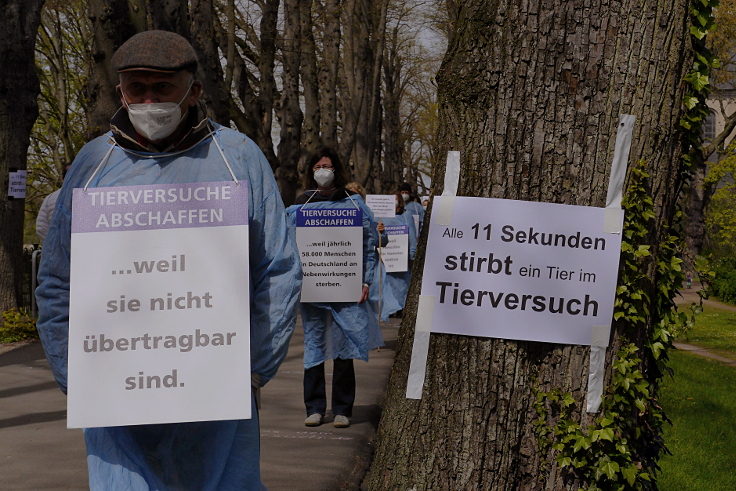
x=38, y=452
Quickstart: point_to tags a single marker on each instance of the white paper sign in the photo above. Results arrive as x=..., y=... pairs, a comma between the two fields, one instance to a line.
x=330, y=242
x=159, y=305
x=521, y=270
x=17, y=184
x=396, y=254
x=382, y=205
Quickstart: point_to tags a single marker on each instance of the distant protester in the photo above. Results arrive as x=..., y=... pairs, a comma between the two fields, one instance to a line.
x=395, y=284
x=340, y=331
x=43, y=220
x=412, y=206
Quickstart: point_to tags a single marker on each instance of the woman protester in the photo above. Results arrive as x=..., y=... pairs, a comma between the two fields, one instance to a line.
x=396, y=284
x=341, y=331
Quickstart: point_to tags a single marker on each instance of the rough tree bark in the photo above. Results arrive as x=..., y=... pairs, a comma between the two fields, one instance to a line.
x=19, y=88
x=328, y=72
x=289, y=112
x=113, y=22
x=364, y=30
x=530, y=93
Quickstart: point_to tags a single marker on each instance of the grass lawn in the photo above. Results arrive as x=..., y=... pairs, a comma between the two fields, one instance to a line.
x=714, y=329
x=701, y=402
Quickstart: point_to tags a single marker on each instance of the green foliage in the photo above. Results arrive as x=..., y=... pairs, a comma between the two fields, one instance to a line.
x=63, y=58
x=720, y=218
x=697, y=82
x=621, y=449
x=723, y=285
x=17, y=325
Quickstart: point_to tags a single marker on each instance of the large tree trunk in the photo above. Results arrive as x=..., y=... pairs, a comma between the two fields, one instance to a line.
x=289, y=113
x=530, y=94
x=328, y=72
x=19, y=88
x=113, y=22
x=209, y=72
x=363, y=83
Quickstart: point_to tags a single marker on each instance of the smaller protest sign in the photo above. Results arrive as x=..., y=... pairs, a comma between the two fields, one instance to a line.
x=17, y=184
x=382, y=205
x=395, y=255
x=330, y=242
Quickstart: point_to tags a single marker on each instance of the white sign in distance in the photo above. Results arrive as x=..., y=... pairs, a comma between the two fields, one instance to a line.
x=159, y=317
x=382, y=205
x=17, y=184
x=395, y=255
x=330, y=243
x=521, y=270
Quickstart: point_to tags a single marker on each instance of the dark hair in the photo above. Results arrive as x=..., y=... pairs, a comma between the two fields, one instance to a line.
x=406, y=187
x=400, y=201
x=341, y=177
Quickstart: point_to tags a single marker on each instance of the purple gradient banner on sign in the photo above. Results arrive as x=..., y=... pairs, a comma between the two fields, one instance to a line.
x=160, y=206
x=329, y=217
x=397, y=229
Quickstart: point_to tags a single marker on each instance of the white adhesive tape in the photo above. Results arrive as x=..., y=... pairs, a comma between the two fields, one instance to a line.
x=420, y=349
x=620, y=160
x=443, y=208
x=612, y=224
x=596, y=374
x=613, y=219
x=452, y=173
x=600, y=336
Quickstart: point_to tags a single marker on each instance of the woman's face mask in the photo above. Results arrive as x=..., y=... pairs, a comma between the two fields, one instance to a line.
x=324, y=177
x=405, y=197
x=157, y=120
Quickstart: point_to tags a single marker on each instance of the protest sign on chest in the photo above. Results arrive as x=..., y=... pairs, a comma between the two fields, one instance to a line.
x=330, y=242
x=395, y=255
x=159, y=305
x=521, y=270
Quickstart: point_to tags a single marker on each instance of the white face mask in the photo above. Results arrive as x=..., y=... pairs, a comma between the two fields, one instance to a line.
x=324, y=177
x=405, y=197
x=157, y=120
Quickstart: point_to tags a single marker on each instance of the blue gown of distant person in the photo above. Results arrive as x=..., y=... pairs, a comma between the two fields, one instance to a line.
x=351, y=330
x=211, y=455
x=395, y=285
x=414, y=208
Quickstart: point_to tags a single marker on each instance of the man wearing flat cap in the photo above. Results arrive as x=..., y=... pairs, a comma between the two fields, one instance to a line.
x=162, y=136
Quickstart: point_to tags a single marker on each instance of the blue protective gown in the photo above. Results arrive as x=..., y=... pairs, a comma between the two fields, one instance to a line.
x=346, y=330
x=414, y=208
x=214, y=455
x=395, y=285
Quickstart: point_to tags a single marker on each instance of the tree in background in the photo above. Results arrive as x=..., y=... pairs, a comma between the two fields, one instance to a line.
x=530, y=94
x=63, y=59
x=19, y=88
x=310, y=72
x=409, y=102
x=722, y=42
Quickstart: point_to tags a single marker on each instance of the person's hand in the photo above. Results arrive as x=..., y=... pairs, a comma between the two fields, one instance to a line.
x=381, y=227
x=364, y=296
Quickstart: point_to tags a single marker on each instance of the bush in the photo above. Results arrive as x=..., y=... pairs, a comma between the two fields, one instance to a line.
x=17, y=325
x=724, y=283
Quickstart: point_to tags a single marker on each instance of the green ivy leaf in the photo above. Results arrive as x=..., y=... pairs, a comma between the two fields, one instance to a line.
x=608, y=468
x=629, y=472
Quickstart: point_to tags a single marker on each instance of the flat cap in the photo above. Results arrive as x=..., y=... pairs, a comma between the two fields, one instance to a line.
x=156, y=51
